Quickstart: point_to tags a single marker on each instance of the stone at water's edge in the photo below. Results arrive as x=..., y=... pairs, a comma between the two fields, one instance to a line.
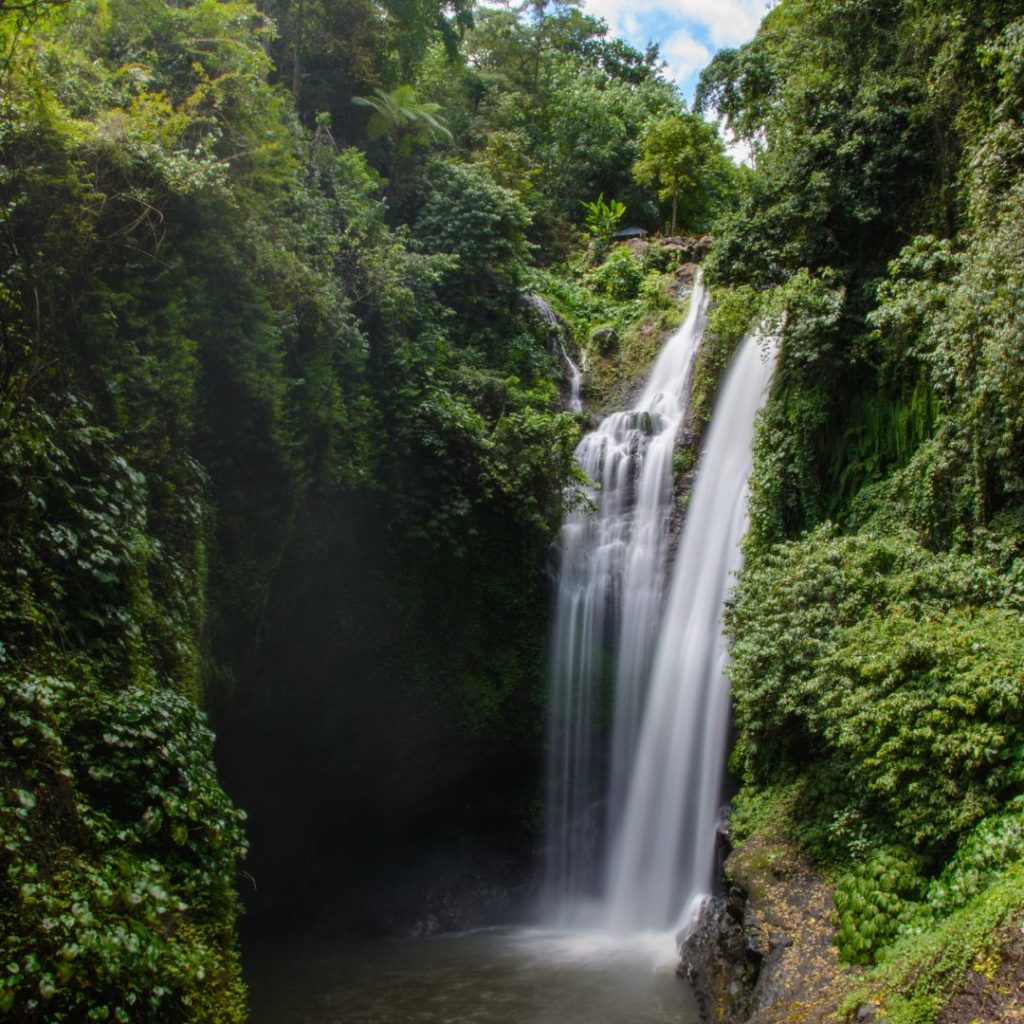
x=765, y=952
x=719, y=963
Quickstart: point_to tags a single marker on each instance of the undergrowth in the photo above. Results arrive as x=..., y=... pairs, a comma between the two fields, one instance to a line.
x=617, y=313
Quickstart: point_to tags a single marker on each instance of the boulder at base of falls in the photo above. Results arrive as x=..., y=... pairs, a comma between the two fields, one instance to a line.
x=719, y=962
x=765, y=952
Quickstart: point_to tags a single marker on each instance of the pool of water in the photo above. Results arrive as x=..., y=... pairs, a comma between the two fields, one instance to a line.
x=486, y=977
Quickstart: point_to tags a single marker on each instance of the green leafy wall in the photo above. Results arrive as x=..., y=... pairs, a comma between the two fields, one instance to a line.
x=876, y=663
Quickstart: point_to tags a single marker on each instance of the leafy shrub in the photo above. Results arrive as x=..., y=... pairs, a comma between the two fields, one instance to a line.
x=928, y=713
x=652, y=293
x=601, y=217
x=129, y=914
x=876, y=901
x=462, y=211
x=923, y=968
x=888, y=666
x=994, y=844
x=620, y=276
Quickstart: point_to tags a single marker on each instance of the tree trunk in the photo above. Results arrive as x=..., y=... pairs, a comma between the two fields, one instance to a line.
x=300, y=19
x=675, y=201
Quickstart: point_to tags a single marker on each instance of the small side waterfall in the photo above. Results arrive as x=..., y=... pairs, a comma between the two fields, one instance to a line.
x=575, y=383
x=656, y=665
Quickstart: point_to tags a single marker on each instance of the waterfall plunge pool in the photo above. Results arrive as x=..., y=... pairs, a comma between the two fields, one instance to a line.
x=492, y=976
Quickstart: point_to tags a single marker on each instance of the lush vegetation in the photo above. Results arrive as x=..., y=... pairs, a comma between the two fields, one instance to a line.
x=281, y=437
x=878, y=669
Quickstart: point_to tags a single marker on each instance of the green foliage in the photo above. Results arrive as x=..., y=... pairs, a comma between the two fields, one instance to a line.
x=957, y=679
x=618, y=312
x=682, y=156
x=556, y=110
x=995, y=844
x=602, y=217
x=922, y=970
x=461, y=211
x=208, y=325
x=887, y=681
x=756, y=807
x=407, y=122
x=734, y=312
x=877, y=673
x=119, y=856
x=619, y=277
x=887, y=663
x=876, y=901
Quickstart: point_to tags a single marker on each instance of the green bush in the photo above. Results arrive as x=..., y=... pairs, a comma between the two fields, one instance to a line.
x=620, y=276
x=924, y=968
x=876, y=901
x=890, y=668
x=995, y=843
x=118, y=858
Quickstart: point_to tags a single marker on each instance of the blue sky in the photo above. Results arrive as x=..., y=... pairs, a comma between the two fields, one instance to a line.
x=689, y=32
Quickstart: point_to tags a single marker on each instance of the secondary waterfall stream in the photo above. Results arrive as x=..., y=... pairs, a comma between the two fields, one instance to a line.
x=631, y=822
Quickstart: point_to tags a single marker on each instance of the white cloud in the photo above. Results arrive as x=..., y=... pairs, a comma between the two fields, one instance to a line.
x=726, y=22
x=741, y=151
x=684, y=55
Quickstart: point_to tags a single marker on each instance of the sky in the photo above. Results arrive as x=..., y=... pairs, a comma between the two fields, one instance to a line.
x=688, y=32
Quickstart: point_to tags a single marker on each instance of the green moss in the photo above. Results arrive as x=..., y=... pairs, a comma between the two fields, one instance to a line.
x=733, y=313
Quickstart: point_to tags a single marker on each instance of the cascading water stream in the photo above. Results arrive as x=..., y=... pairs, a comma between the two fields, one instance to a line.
x=659, y=664
x=613, y=560
x=575, y=382
x=662, y=853
x=556, y=331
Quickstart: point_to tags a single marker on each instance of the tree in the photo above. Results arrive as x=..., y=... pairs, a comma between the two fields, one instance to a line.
x=678, y=155
x=29, y=7
x=15, y=17
x=405, y=121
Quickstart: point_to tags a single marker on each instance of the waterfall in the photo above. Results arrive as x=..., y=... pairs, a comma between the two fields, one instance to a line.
x=610, y=588
x=575, y=382
x=555, y=330
x=658, y=664
x=662, y=853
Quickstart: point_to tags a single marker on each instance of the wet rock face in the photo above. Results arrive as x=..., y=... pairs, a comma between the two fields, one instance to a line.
x=720, y=962
x=682, y=280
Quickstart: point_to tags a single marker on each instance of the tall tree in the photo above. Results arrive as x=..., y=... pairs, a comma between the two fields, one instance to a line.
x=407, y=122
x=678, y=156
